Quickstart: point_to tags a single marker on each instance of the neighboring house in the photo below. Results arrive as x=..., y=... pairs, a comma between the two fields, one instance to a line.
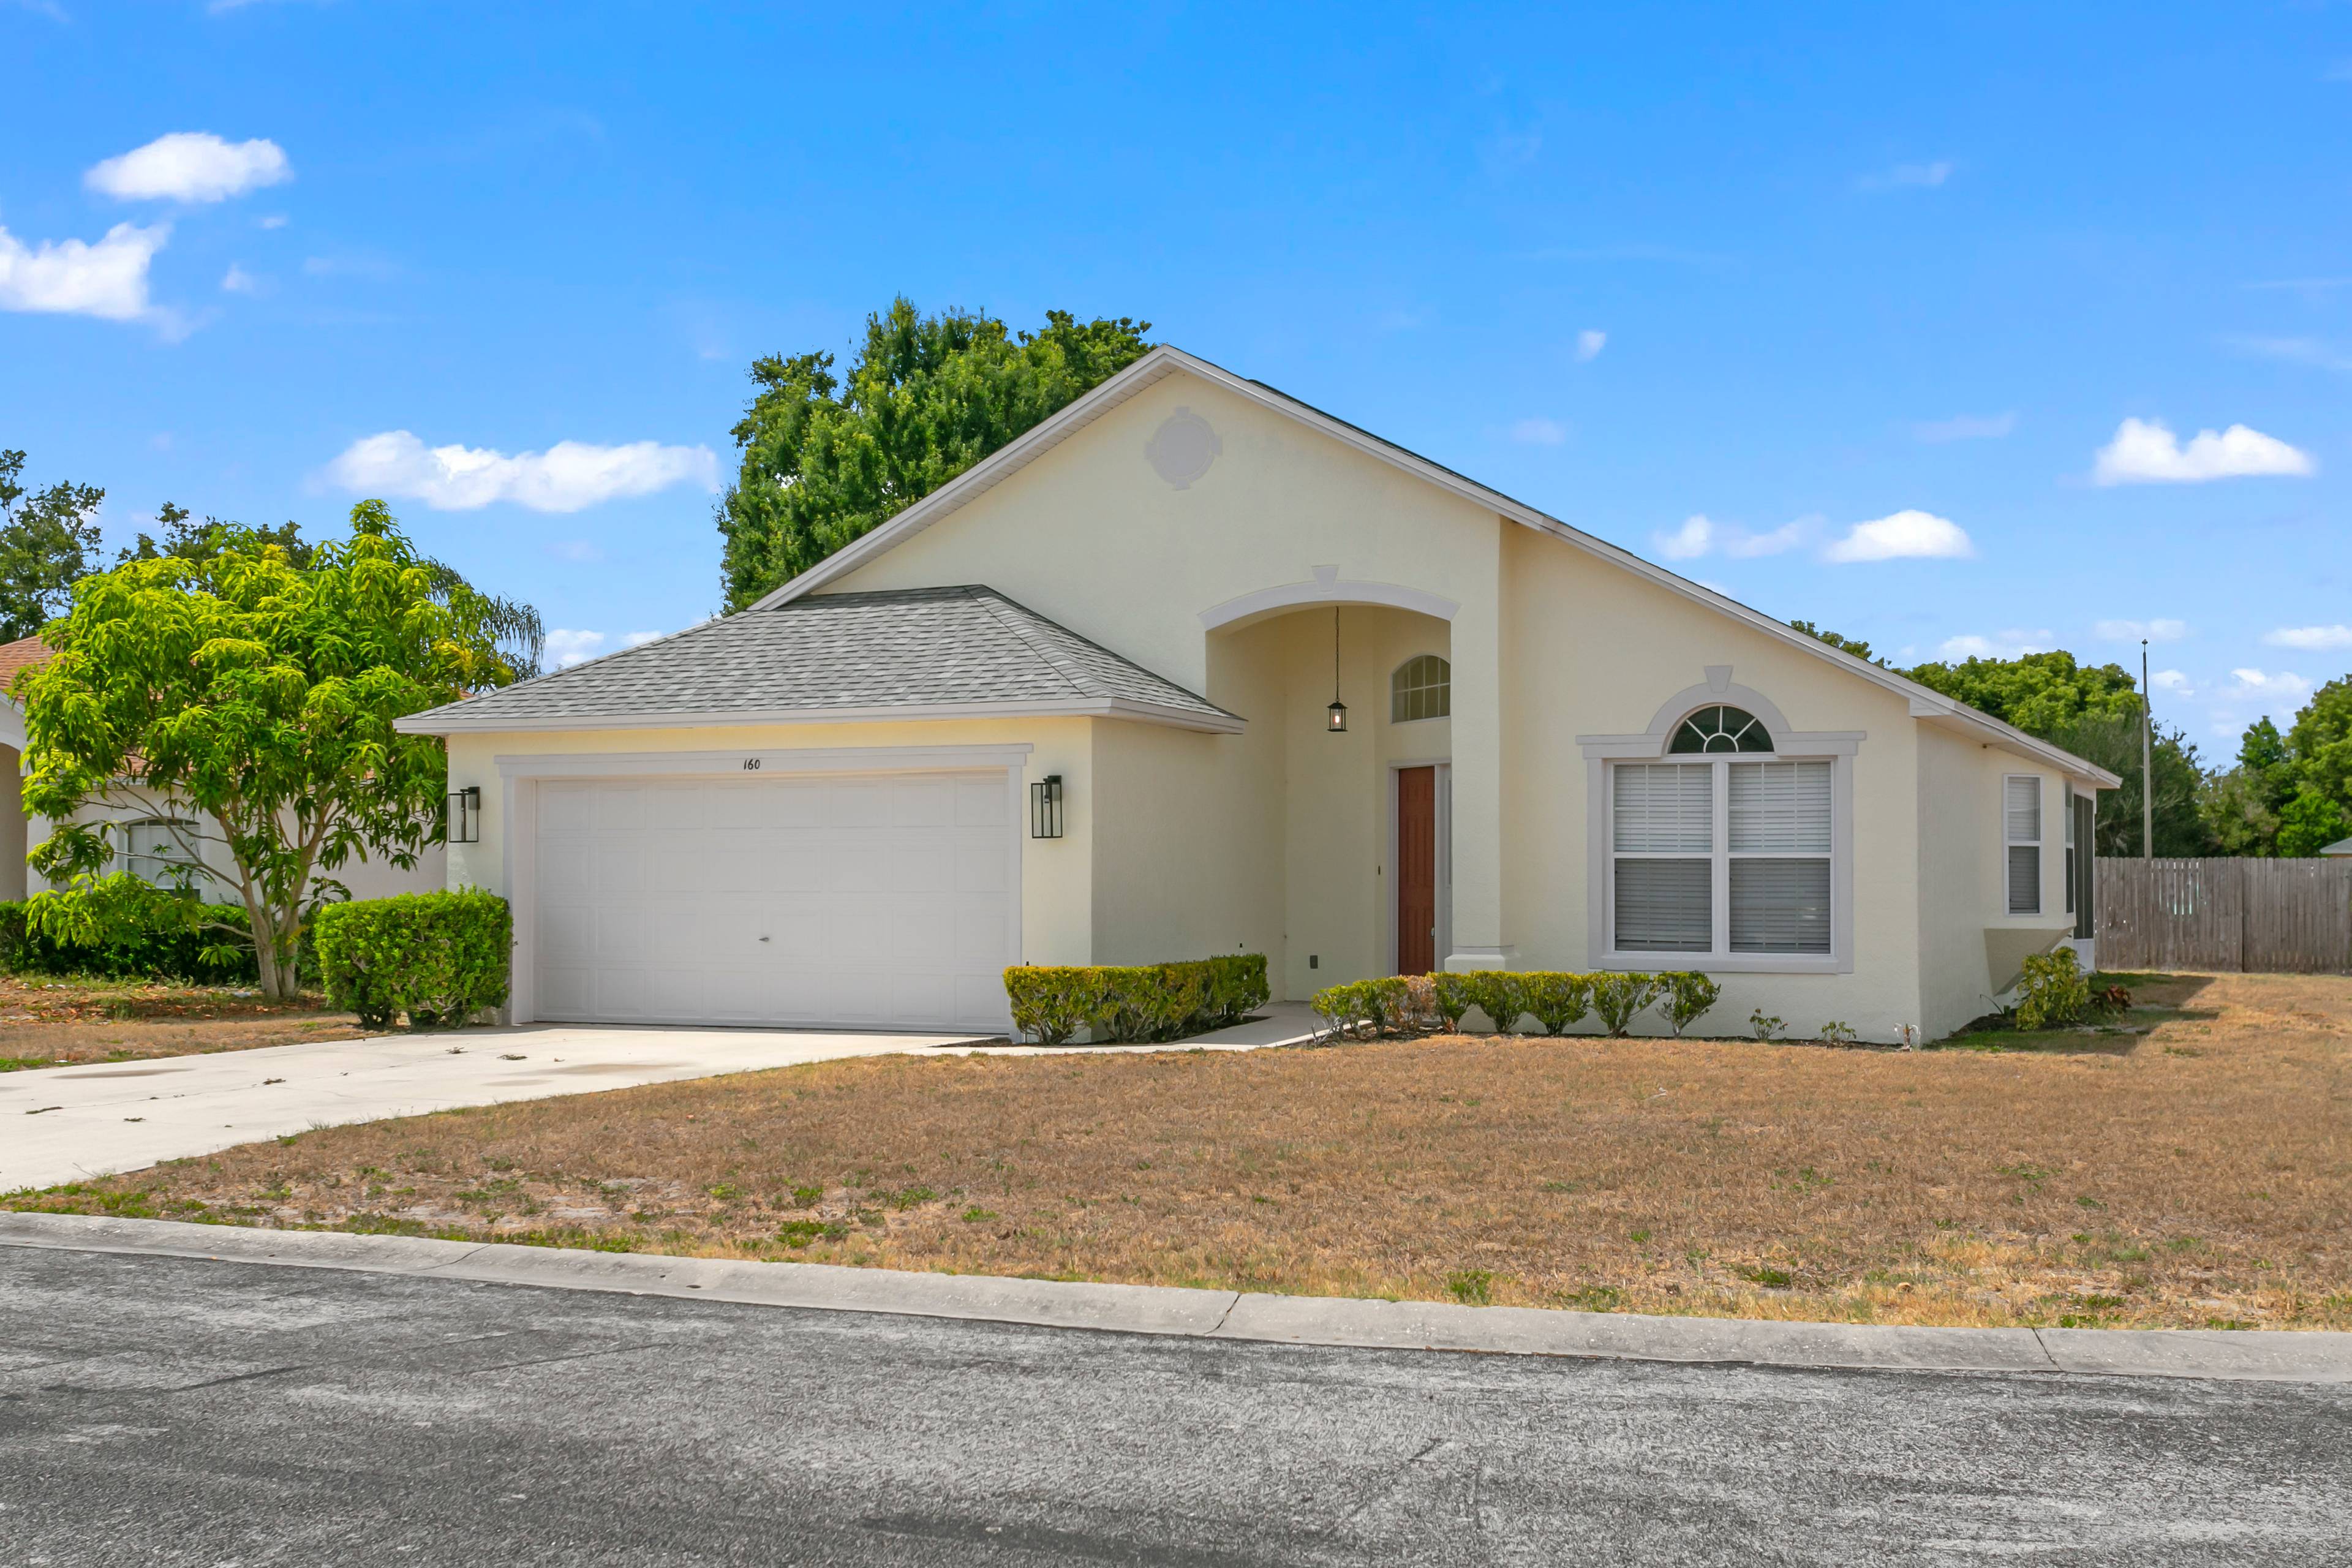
x=2341, y=846
x=152, y=836
x=1195, y=668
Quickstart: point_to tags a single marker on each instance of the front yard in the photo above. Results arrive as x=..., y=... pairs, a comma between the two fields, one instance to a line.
x=2197, y=1174
x=57, y=1021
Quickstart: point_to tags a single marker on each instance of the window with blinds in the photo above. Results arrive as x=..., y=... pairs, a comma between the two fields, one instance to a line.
x=1779, y=871
x=1748, y=841
x=2067, y=812
x=2021, y=827
x=1663, y=834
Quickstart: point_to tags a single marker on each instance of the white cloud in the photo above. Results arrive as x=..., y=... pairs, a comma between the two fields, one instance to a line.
x=191, y=166
x=1693, y=538
x=1904, y=535
x=1965, y=428
x=1698, y=535
x=2146, y=452
x=238, y=280
x=579, y=550
x=2133, y=631
x=1539, y=432
x=2007, y=644
x=69, y=277
x=567, y=476
x=2313, y=638
x=2173, y=682
x=2283, y=692
x=275, y=220
x=566, y=648
x=1908, y=177
x=639, y=639
x=1589, y=342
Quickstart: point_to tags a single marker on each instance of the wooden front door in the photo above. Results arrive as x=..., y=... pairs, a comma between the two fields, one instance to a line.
x=1416, y=870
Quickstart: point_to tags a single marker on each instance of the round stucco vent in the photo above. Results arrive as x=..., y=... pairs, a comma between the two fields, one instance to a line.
x=1183, y=448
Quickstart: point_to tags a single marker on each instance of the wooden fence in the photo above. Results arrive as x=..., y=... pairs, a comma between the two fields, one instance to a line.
x=2292, y=915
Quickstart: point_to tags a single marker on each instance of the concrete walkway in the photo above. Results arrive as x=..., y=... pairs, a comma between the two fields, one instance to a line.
x=67, y=1124
x=2237, y=1357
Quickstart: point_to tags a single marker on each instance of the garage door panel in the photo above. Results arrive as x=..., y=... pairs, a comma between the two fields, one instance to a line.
x=886, y=901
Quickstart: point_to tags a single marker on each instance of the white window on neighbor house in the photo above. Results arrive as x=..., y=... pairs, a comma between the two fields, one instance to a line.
x=159, y=851
x=1722, y=858
x=1421, y=688
x=2022, y=833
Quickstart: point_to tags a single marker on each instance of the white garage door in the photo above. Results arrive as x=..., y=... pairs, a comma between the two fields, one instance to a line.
x=883, y=901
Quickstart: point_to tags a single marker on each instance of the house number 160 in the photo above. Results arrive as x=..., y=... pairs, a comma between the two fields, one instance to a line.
x=750, y=765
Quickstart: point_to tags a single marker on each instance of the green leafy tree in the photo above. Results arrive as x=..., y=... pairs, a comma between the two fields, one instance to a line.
x=2181, y=826
x=827, y=460
x=2291, y=794
x=2310, y=823
x=515, y=626
x=1854, y=646
x=46, y=542
x=2039, y=692
x=262, y=696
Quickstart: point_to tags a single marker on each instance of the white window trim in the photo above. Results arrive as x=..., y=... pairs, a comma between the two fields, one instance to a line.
x=1789, y=745
x=2040, y=844
x=1397, y=692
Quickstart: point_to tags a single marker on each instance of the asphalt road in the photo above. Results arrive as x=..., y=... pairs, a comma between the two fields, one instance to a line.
x=161, y=1411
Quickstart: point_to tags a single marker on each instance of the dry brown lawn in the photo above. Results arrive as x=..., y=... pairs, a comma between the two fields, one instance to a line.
x=2199, y=1173
x=58, y=1022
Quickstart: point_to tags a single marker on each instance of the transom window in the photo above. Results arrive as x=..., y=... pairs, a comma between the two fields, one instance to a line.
x=1421, y=688
x=1716, y=858
x=1721, y=728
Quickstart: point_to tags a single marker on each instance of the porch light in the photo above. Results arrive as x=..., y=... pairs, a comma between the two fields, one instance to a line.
x=1045, y=807
x=1335, y=718
x=466, y=814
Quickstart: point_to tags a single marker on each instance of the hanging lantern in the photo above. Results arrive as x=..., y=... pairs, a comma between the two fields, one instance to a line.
x=1335, y=718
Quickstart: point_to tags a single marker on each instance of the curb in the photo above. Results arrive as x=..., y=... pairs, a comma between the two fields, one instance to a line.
x=2236, y=1356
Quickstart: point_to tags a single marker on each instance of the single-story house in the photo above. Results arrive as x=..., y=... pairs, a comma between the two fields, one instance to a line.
x=1193, y=667
x=152, y=836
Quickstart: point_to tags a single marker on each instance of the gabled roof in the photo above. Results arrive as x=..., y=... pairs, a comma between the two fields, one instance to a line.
x=914, y=653
x=1924, y=703
x=2341, y=846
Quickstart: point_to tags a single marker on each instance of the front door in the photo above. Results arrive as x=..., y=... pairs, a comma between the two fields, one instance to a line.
x=1416, y=870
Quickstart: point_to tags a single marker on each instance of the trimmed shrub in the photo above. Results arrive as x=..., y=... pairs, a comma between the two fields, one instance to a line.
x=1382, y=1006
x=1499, y=995
x=2054, y=994
x=1135, y=1002
x=1617, y=997
x=124, y=928
x=1684, y=998
x=1450, y=998
x=1557, y=999
x=440, y=957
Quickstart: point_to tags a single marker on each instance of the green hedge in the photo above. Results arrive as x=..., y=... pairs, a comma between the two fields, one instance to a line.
x=1128, y=1002
x=1400, y=1004
x=154, y=938
x=440, y=957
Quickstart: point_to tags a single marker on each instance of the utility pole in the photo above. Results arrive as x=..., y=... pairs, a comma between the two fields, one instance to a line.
x=2146, y=751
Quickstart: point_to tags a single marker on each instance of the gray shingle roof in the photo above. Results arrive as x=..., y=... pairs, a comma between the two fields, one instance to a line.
x=913, y=649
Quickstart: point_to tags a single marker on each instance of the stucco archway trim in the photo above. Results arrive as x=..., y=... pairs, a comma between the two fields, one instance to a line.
x=1325, y=586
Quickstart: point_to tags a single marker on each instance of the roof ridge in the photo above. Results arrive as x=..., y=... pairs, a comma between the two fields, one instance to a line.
x=999, y=609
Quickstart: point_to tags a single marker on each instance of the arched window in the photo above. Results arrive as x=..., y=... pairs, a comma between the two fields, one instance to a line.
x=1421, y=688
x=1721, y=730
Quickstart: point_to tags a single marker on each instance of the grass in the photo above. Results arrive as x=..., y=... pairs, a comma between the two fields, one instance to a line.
x=64, y=1020
x=2135, y=1185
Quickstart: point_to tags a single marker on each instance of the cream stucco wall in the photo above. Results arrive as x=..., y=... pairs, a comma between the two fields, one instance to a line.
x=1595, y=651
x=1969, y=941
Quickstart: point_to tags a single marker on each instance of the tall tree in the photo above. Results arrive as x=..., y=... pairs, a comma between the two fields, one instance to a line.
x=263, y=696
x=825, y=461
x=2038, y=692
x=2291, y=794
x=46, y=542
x=515, y=626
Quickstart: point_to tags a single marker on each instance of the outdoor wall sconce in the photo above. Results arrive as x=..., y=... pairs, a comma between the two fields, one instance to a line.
x=1335, y=718
x=466, y=814
x=1045, y=807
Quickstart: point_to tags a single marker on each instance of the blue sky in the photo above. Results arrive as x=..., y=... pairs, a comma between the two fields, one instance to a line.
x=1921, y=309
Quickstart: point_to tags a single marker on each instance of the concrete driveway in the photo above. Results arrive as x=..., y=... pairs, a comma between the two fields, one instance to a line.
x=66, y=1124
